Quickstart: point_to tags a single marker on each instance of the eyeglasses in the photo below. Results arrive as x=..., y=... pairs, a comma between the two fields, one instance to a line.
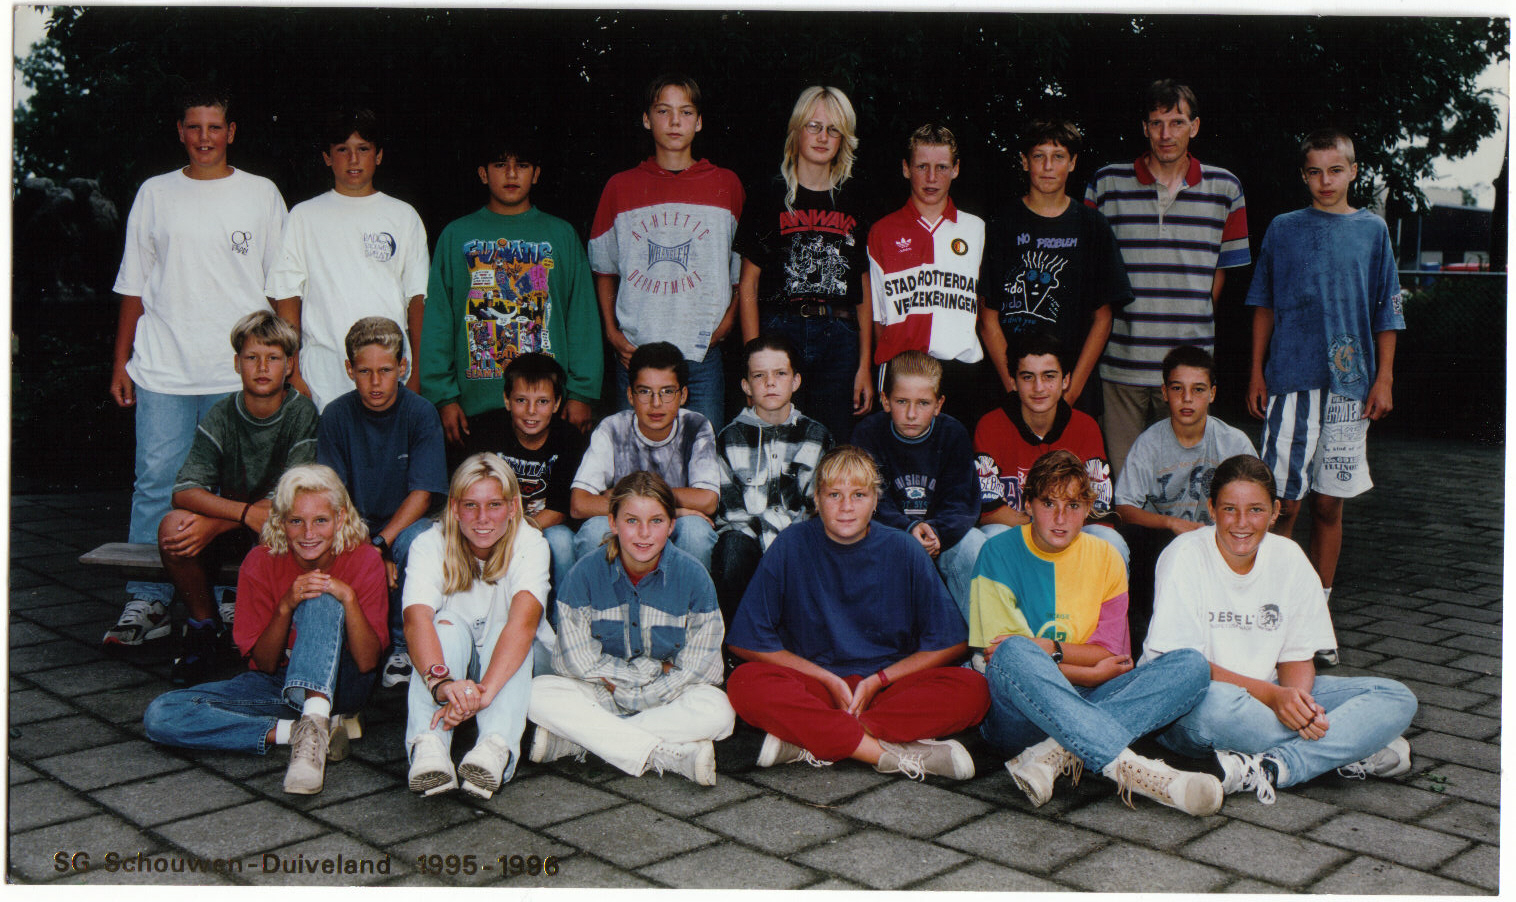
x=666, y=393
x=815, y=128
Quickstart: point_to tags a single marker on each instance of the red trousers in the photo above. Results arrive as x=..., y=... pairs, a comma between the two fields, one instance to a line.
x=798, y=709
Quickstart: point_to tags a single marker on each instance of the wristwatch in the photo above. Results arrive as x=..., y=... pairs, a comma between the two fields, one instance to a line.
x=1057, y=652
x=382, y=544
x=438, y=672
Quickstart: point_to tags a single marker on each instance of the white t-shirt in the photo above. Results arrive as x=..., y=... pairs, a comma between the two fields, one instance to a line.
x=347, y=258
x=482, y=605
x=1246, y=623
x=197, y=253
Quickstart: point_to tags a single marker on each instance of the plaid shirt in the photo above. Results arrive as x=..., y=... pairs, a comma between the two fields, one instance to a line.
x=767, y=473
x=610, y=629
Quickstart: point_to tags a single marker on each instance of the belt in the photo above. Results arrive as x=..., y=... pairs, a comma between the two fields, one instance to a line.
x=813, y=311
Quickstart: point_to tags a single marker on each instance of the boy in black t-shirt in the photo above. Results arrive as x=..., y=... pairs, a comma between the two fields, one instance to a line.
x=1051, y=264
x=543, y=450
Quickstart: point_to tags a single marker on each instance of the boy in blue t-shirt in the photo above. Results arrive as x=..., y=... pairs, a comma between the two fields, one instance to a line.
x=1327, y=306
x=385, y=443
x=926, y=459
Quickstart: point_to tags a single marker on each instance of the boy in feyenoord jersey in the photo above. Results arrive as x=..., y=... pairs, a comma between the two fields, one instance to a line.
x=924, y=273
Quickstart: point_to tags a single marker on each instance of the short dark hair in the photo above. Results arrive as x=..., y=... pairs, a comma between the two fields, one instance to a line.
x=1166, y=94
x=658, y=355
x=1036, y=344
x=1052, y=131
x=768, y=341
x=503, y=143
x=342, y=124
x=535, y=368
x=1189, y=355
x=1327, y=139
x=1242, y=468
x=676, y=79
x=204, y=95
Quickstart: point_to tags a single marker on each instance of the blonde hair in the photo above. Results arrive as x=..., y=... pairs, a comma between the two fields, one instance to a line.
x=459, y=569
x=846, y=121
x=305, y=479
x=375, y=330
x=641, y=484
x=913, y=363
x=846, y=465
x=265, y=328
x=1058, y=474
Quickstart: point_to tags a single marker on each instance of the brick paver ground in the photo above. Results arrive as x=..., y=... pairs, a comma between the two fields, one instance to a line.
x=1418, y=599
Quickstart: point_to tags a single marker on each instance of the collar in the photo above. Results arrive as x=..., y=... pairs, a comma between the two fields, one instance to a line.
x=918, y=439
x=1012, y=407
x=1145, y=175
x=949, y=213
x=619, y=574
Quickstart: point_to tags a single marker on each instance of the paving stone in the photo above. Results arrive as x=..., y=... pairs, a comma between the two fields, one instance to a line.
x=31, y=854
x=50, y=596
x=43, y=802
x=24, y=578
x=632, y=835
x=346, y=780
x=881, y=860
x=1254, y=887
x=1479, y=866
x=1459, y=699
x=680, y=797
x=1291, y=812
x=1403, y=623
x=1465, y=612
x=1484, y=664
x=821, y=785
x=836, y=884
x=21, y=632
x=112, y=764
x=728, y=867
x=241, y=766
x=1489, y=685
x=547, y=799
x=20, y=773
x=1458, y=750
x=240, y=831
x=1370, y=876
x=384, y=818
x=1257, y=852
x=83, y=679
x=1460, y=782
x=1418, y=651
x=64, y=734
x=304, y=864
x=30, y=659
x=583, y=869
x=1481, y=822
x=914, y=809
x=1022, y=841
x=1478, y=644
x=984, y=876
x=1420, y=670
x=155, y=799
x=777, y=824
x=489, y=838
x=1387, y=798
x=1402, y=843
x=161, y=869
x=998, y=789
x=1155, y=826
x=122, y=706
x=32, y=705
x=1458, y=723
x=1473, y=627
x=1124, y=868
x=1491, y=709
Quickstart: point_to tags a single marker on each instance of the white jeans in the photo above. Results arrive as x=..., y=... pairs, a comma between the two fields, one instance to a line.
x=567, y=708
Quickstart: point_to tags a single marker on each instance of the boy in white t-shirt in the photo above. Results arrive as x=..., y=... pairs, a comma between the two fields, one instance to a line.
x=199, y=243
x=347, y=254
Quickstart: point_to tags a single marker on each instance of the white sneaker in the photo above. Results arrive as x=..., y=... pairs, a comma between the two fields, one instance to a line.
x=1038, y=767
x=484, y=765
x=142, y=620
x=695, y=761
x=1190, y=792
x=942, y=757
x=548, y=746
x=1245, y=773
x=308, y=746
x=776, y=751
x=431, y=766
x=227, y=610
x=397, y=669
x=1390, y=761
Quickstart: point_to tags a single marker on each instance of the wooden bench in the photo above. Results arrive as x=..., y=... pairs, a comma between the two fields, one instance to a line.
x=139, y=560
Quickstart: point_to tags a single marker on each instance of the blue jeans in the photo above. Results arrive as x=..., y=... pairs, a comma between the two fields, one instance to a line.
x=1031, y=699
x=560, y=544
x=692, y=535
x=828, y=362
x=707, y=387
x=1364, y=714
x=467, y=654
x=237, y=714
x=165, y=431
x=400, y=551
x=957, y=567
x=1097, y=530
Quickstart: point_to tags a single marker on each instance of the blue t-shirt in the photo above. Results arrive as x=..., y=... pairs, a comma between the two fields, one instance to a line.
x=852, y=609
x=382, y=457
x=1330, y=280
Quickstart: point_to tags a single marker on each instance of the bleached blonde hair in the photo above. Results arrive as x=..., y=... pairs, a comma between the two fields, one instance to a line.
x=312, y=478
x=459, y=569
x=846, y=121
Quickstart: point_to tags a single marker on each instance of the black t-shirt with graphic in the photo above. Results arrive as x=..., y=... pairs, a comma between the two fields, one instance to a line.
x=812, y=251
x=546, y=475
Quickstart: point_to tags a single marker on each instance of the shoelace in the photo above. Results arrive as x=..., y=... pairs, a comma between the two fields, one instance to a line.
x=1065, y=763
x=305, y=740
x=1354, y=771
x=1130, y=775
x=812, y=760
x=912, y=764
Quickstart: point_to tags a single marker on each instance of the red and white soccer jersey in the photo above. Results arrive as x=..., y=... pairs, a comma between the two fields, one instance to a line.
x=925, y=284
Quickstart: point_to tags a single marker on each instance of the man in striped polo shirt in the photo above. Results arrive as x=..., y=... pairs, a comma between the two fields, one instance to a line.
x=1179, y=225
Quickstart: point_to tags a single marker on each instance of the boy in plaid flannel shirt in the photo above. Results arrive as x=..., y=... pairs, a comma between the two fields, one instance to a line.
x=768, y=457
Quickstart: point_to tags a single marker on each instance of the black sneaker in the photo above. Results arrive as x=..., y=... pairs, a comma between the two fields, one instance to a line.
x=1327, y=657
x=199, y=657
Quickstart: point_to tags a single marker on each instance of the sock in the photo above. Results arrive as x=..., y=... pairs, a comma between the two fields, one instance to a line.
x=316, y=706
x=282, y=732
x=1328, y=591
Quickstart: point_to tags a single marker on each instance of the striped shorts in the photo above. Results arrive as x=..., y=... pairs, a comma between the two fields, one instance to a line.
x=1315, y=441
